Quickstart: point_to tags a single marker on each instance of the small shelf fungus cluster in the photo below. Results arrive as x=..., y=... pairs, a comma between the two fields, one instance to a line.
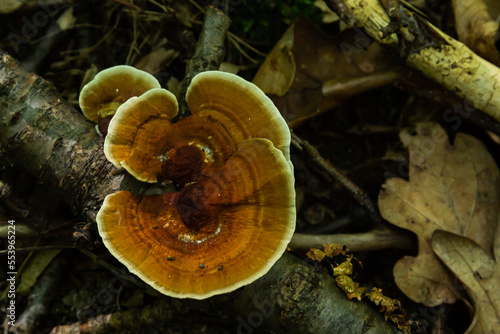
x=109, y=89
x=234, y=212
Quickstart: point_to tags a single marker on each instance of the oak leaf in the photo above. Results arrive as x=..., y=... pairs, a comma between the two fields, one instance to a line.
x=478, y=271
x=452, y=188
x=477, y=26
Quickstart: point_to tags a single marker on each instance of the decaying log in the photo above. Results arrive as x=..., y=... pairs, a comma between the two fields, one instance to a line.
x=293, y=297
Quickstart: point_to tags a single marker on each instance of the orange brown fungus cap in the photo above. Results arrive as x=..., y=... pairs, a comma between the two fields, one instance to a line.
x=110, y=88
x=240, y=219
x=226, y=110
x=235, y=212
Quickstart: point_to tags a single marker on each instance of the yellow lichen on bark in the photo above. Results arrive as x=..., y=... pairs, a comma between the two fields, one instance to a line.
x=444, y=59
x=460, y=70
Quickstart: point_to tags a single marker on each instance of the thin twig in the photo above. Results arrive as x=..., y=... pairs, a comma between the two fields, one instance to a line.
x=128, y=4
x=194, y=3
x=88, y=50
x=375, y=239
x=359, y=195
x=37, y=249
x=248, y=46
x=162, y=7
x=134, y=40
x=209, y=51
x=238, y=47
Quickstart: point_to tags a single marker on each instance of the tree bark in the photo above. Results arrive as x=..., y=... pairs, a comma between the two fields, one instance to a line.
x=43, y=135
x=293, y=298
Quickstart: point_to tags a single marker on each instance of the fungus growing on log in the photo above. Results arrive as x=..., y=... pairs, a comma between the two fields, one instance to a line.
x=234, y=213
x=226, y=110
x=110, y=88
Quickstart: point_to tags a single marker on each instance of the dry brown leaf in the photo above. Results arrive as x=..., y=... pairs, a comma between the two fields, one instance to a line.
x=308, y=73
x=477, y=25
x=478, y=272
x=156, y=60
x=9, y=6
x=276, y=74
x=453, y=188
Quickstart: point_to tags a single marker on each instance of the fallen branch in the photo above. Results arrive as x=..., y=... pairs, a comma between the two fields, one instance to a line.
x=426, y=48
x=375, y=239
x=292, y=297
x=209, y=51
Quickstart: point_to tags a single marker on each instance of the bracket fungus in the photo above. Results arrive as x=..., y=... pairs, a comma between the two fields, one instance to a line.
x=110, y=88
x=234, y=212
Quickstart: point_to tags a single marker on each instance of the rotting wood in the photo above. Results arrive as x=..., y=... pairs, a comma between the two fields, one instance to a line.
x=293, y=297
x=426, y=48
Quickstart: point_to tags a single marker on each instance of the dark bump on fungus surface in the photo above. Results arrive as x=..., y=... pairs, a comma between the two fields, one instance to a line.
x=16, y=117
x=183, y=165
x=103, y=125
x=196, y=207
